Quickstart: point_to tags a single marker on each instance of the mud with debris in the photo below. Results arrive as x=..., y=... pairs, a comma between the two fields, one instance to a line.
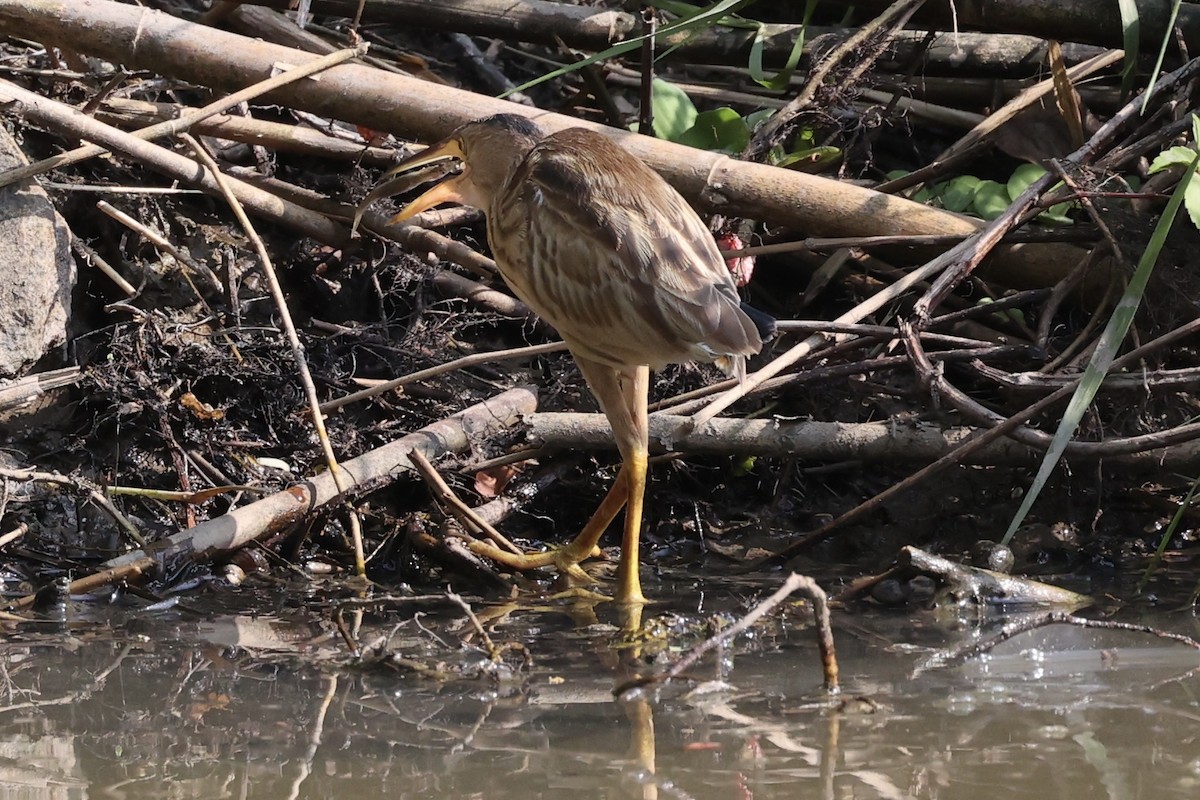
x=189, y=404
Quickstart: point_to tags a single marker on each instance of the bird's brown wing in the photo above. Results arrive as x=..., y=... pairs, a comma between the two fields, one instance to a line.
x=623, y=255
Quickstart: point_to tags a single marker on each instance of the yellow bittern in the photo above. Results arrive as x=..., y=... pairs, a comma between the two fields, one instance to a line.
x=615, y=259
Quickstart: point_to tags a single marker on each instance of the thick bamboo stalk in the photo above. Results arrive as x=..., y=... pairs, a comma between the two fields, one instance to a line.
x=145, y=39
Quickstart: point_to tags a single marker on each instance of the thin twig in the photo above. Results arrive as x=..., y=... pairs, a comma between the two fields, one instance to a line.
x=162, y=243
x=441, y=369
x=82, y=486
x=958, y=454
x=454, y=504
x=176, y=126
x=646, y=79
x=293, y=339
x=494, y=652
x=794, y=582
x=891, y=21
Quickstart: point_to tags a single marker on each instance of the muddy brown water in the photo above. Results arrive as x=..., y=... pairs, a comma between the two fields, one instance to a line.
x=251, y=693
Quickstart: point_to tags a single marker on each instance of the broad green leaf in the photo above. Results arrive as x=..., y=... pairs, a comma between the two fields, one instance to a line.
x=1059, y=213
x=922, y=195
x=673, y=110
x=744, y=466
x=721, y=129
x=990, y=199
x=1004, y=314
x=1191, y=201
x=1175, y=156
x=753, y=120
x=959, y=193
x=1106, y=350
x=1022, y=178
x=810, y=159
x=936, y=190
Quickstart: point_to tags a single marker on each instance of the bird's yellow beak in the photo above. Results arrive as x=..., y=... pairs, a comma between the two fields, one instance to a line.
x=444, y=192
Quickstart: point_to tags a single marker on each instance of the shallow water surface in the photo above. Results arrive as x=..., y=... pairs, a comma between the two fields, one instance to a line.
x=254, y=694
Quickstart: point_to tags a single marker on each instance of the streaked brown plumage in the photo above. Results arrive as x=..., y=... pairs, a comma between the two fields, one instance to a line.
x=615, y=259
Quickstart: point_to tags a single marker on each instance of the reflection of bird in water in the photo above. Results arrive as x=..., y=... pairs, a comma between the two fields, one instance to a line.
x=609, y=254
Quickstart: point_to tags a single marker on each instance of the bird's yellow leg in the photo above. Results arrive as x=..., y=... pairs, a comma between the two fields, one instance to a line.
x=629, y=583
x=566, y=559
x=634, y=445
x=622, y=394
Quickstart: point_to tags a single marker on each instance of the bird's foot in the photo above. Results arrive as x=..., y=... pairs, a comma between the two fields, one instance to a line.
x=565, y=560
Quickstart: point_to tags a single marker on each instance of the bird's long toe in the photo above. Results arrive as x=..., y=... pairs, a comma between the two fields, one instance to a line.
x=566, y=560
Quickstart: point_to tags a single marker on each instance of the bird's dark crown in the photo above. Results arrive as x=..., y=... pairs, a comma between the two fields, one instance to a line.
x=513, y=124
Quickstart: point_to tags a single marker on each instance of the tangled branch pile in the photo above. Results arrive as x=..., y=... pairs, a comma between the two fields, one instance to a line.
x=982, y=205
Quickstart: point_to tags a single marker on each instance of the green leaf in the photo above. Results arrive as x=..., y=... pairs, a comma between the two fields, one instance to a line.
x=1106, y=350
x=720, y=129
x=1178, y=155
x=990, y=199
x=682, y=9
x=1022, y=178
x=922, y=195
x=810, y=159
x=1057, y=213
x=1191, y=201
x=744, y=466
x=673, y=110
x=753, y=120
x=959, y=193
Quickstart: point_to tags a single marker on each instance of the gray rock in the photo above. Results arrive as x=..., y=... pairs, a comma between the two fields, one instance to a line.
x=37, y=271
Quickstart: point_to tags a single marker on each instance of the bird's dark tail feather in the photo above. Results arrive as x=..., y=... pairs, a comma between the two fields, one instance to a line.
x=763, y=321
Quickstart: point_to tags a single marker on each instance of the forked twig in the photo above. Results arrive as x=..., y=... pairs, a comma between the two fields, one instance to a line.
x=454, y=504
x=794, y=582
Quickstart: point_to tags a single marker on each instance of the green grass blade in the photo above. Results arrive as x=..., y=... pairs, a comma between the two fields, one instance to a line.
x=1184, y=507
x=1131, y=31
x=1106, y=350
x=781, y=78
x=697, y=20
x=1162, y=53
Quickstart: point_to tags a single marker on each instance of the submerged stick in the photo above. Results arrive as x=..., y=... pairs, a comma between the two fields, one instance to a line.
x=795, y=582
x=1024, y=625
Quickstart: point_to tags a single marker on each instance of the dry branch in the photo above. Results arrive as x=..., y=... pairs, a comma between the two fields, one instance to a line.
x=1076, y=20
x=66, y=119
x=885, y=442
x=589, y=28
x=275, y=135
x=282, y=509
x=145, y=39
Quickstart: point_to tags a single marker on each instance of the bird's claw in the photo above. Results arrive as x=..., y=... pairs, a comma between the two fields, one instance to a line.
x=565, y=559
